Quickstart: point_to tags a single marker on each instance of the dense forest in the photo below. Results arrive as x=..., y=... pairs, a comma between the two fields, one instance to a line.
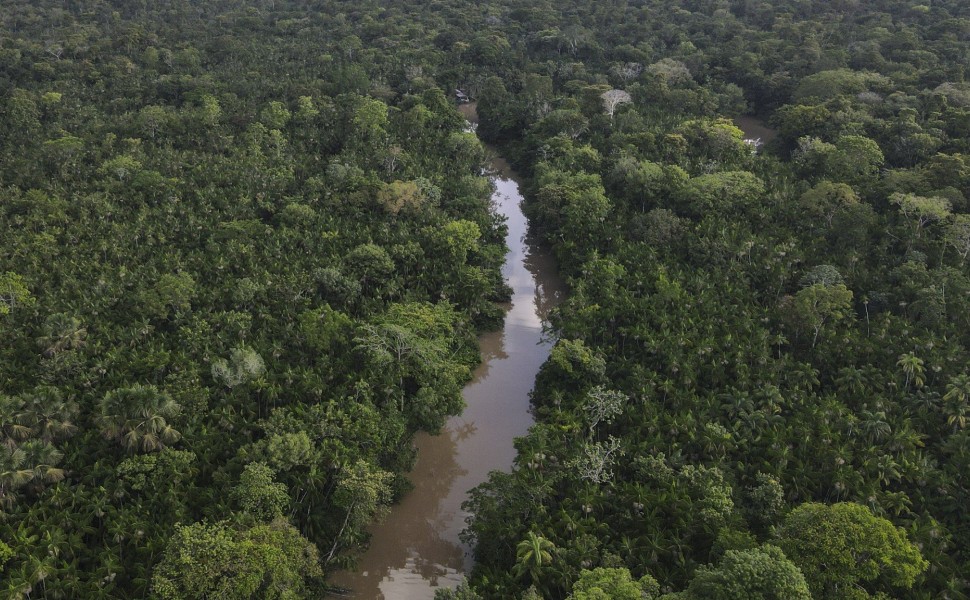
x=247, y=246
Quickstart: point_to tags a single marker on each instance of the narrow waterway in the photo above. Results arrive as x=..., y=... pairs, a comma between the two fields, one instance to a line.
x=416, y=550
x=755, y=129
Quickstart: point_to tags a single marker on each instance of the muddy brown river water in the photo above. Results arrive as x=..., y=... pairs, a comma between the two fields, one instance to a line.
x=416, y=549
x=755, y=129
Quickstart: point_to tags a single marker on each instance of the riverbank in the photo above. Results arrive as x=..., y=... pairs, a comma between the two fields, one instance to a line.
x=417, y=549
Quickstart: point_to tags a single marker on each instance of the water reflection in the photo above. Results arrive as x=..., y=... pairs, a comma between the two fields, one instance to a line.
x=417, y=549
x=755, y=130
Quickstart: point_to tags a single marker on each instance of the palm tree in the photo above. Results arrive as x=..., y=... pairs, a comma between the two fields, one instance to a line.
x=957, y=401
x=61, y=332
x=138, y=417
x=43, y=457
x=14, y=473
x=12, y=431
x=48, y=415
x=912, y=367
x=532, y=555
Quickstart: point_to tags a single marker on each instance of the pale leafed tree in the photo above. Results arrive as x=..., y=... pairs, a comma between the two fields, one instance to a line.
x=921, y=210
x=595, y=461
x=627, y=71
x=602, y=405
x=613, y=99
x=670, y=70
x=958, y=236
x=244, y=365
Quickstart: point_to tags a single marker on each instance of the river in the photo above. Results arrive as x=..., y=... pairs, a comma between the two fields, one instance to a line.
x=755, y=129
x=416, y=549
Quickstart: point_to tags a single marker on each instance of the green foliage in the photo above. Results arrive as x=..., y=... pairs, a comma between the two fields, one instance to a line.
x=920, y=210
x=139, y=418
x=574, y=359
x=844, y=545
x=6, y=553
x=221, y=561
x=13, y=293
x=275, y=115
x=462, y=592
x=814, y=306
x=533, y=555
x=727, y=192
x=758, y=574
x=174, y=205
x=260, y=496
x=617, y=584
x=171, y=292
x=836, y=82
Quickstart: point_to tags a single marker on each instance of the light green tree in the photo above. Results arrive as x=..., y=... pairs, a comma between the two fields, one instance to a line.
x=812, y=307
x=275, y=115
x=268, y=561
x=259, y=495
x=845, y=551
x=763, y=573
x=13, y=293
x=613, y=584
x=921, y=210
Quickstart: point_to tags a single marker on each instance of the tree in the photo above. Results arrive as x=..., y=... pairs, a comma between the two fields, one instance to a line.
x=814, y=306
x=595, y=460
x=827, y=199
x=244, y=365
x=363, y=493
x=723, y=193
x=957, y=236
x=602, y=405
x=613, y=584
x=275, y=115
x=612, y=99
x=957, y=401
x=153, y=119
x=821, y=274
x=5, y=554
x=369, y=263
x=267, y=561
x=855, y=160
x=14, y=473
x=370, y=137
x=47, y=415
x=399, y=196
x=34, y=462
x=921, y=210
x=259, y=495
x=13, y=293
x=671, y=71
x=765, y=500
x=61, y=332
x=913, y=368
x=139, y=418
x=462, y=592
x=170, y=292
x=844, y=547
x=533, y=555
x=763, y=573
x=829, y=84
x=569, y=123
